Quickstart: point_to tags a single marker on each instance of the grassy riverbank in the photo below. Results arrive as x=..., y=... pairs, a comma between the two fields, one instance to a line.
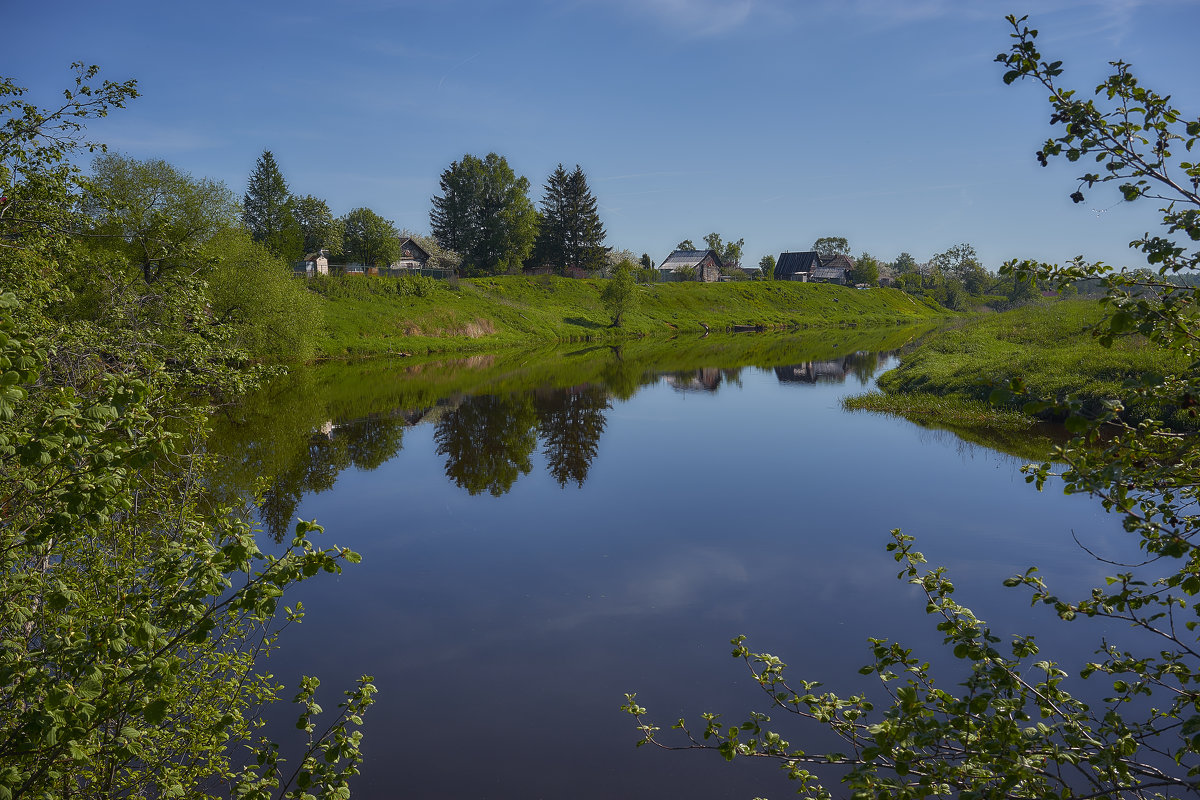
x=380, y=316
x=946, y=380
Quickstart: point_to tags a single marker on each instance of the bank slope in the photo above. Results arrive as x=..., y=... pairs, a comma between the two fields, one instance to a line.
x=370, y=316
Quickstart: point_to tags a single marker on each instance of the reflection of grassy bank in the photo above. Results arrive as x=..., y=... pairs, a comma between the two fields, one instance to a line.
x=283, y=432
x=945, y=381
x=371, y=316
x=974, y=421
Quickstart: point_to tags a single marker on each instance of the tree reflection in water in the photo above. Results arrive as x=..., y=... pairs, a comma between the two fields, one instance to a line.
x=571, y=422
x=487, y=441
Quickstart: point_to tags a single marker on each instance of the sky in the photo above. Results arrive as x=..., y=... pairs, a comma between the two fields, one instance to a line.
x=772, y=121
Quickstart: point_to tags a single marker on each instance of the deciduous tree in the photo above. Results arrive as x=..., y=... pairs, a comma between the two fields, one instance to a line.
x=369, y=239
x=830, y=246
x=767, y=265
x=318, y=226
x=619, y=295
x=484, y=214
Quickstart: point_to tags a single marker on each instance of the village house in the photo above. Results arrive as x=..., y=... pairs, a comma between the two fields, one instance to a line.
x=810, y=267
x=413, y=257
x=796, y=266
x=313, y=264
x=695, y=265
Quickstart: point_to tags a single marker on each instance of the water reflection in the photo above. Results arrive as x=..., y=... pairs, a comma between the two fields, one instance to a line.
x=489, y=415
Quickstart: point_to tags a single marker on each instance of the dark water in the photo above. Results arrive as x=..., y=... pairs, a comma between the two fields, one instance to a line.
x=544, y=532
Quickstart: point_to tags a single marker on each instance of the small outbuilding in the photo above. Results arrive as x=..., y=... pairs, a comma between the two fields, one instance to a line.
x=796, y=266
x=693, y=265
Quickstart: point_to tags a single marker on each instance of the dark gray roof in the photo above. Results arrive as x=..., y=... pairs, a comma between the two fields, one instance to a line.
x=834, y=273
x=790, y=264
x=687, y=258
x=408, y=241
x=840, y=261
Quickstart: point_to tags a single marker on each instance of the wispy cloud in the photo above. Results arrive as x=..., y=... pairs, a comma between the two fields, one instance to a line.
x=694, y=18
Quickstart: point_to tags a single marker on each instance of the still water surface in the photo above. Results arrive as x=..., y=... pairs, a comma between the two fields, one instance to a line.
x=545, y=532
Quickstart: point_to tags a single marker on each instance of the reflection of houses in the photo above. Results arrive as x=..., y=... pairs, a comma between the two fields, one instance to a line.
x=813, y=372
x=701, y=380
x=691, y=265
x=810, y=267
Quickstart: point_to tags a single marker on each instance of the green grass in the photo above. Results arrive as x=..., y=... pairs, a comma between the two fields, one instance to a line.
x=948, y=377
x=379, y=316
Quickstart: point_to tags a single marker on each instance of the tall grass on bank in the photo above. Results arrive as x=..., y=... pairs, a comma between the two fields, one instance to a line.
x=379, y=316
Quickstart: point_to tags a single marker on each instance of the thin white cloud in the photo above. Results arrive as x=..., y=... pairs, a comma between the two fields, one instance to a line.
x=694, y=18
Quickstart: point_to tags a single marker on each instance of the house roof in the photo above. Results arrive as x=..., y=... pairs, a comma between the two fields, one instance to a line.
x=824, y=273
x=408, y=241
x=794, y=263
x=840, y=261
x=688, y=258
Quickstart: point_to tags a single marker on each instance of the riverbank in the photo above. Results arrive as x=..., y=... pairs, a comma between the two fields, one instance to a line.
x=946, y=380
x=368, y=316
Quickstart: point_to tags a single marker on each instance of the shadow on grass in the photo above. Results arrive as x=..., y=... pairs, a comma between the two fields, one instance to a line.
x=584, y=323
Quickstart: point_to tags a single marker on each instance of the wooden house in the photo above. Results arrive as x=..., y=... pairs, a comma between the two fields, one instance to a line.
x=796, y=266
x=835, y=269
x=314, y=264
x=697, y=265
x=412, y=255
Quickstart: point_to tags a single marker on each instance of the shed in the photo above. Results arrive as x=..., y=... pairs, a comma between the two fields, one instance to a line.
x=796, y=266
x=705, y=263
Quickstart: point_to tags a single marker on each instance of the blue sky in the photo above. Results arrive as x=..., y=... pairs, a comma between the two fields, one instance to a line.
x=776, y=121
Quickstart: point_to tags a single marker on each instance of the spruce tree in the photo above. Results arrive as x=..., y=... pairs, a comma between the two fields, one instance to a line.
x=267, y=210
x=571, y=234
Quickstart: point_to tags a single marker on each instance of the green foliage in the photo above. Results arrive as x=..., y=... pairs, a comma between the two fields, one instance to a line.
x=369, y=239
x=619, y=295
x=484, y=214
x=153, y=214
x=570, y=234
x=866, y=270
x=767, y=265
x=269, y=211
x=830, y=246
x=1006, y=724
x=131, y=607
x=317, y=225
x=730, y=252
x=686, y=244
x=274, y=317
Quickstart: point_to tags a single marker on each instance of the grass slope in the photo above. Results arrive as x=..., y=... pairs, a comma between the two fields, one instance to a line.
x=376, y=316
x=948, y=377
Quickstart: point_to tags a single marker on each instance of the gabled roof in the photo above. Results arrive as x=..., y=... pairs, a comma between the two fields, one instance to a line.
x=688, y=258
x=408, y=241
x=840, y=261
x=790, y=264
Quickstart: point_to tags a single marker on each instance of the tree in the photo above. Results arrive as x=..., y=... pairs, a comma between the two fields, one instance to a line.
x=619, y=294
x=268, y=210
x=646, y=262
x=570, y=234
x=369, y=239
x=484, y=213
x=686, y=244
x=830, y=246
x=767, y=265
x=961, y=264
x=1011, y=728
x=866, y=270
x=131, y=606
x=730, y=253
x=904, y=264
x=154, y=214
x=318, y=226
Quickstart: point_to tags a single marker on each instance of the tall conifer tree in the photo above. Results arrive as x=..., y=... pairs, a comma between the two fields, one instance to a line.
x=571, y=235
x=267, y=209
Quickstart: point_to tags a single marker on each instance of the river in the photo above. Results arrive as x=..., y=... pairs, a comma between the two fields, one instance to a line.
x=543, y=532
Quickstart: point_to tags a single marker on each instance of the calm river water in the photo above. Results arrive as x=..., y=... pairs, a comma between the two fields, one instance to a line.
x=544, y=532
